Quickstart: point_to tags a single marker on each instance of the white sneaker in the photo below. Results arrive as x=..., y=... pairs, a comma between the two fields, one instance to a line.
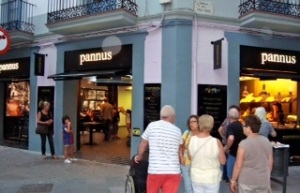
x=74, y=159
x=67, y=161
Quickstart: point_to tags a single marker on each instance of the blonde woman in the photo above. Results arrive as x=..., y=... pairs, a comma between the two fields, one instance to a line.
x=44, y=117
x=207, y=155
x=192, y=130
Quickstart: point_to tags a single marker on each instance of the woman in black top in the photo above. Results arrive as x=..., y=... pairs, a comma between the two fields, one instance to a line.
x=44, y=117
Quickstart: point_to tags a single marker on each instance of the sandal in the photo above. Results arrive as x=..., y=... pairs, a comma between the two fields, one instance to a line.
x=55, y=157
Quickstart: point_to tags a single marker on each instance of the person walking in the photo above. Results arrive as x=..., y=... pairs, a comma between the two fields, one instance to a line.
x=164, y=141
x=107, y=111
x=223, y=133
x=185, y=161
x=234, y=136
x=254, y=161
x=44, y=117
x=266, y=129
x=207, y=155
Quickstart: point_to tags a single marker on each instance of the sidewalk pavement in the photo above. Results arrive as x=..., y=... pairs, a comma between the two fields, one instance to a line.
x=23, y=171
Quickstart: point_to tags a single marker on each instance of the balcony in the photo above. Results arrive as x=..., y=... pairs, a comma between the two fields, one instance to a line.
x=274, y=15
x=16, y=18
x=73, y=17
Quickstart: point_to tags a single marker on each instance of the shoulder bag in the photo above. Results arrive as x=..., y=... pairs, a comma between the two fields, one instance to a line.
x=42, y=129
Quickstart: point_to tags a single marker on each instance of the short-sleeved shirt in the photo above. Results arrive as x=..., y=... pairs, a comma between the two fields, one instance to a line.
x=205, y=167
x=225, y=125
x=266, y=129
x=107, y=110
x=186, y=138
x=255, y=170
x=164, y=139
x=236, y=129
x=67, y=137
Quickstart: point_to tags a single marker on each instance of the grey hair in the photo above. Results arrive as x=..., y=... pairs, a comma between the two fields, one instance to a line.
x=167, y=111
x=261, y=113
x=234, y=114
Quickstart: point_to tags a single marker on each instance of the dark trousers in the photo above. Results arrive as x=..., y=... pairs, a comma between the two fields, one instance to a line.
x=50, y=140
x=106, y=129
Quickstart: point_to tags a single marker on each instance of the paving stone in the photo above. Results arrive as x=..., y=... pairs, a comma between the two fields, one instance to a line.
x=36, y=188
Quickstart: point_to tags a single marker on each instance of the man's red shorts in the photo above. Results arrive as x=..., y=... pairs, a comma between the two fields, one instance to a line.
x=169, y=183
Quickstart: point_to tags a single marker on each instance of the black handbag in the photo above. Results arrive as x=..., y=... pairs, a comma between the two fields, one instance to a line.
x=42, y=129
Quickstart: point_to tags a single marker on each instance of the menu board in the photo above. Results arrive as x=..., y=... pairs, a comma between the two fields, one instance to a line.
x=212, y=100
x=151, y=103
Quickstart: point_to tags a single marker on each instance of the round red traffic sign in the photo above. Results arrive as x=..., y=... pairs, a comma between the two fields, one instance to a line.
x=4, y=41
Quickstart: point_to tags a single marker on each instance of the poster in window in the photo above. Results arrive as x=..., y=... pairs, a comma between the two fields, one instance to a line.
x=92, y=105
x=91, y=94
x=17, y=99
x=100, y=94
x=85, y=105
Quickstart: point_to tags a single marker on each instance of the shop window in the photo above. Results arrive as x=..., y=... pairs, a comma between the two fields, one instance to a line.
x=257, y=92
x=17, y=111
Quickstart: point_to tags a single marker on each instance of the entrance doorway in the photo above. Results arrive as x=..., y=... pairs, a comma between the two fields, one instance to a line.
x=97, y=139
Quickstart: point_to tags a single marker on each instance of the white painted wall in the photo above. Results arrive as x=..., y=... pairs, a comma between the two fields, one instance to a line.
x=205, y=72
x=152, y=7
x=125, y=101
x=41, y=7
x=50, y=65
x=153, y=55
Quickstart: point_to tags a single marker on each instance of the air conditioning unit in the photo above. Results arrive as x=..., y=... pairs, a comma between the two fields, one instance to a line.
x=164, y=1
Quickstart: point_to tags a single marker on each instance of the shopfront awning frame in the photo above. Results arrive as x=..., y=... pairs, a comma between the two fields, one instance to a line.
x=267, y=75
x=98, y=74
x=15, y=79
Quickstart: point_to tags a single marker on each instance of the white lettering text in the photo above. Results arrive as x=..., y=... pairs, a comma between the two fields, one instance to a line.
x=11, y=66
x=93, y=57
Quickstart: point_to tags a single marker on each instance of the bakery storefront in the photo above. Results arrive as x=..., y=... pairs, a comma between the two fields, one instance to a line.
x=15, y=89
x=270, y=78
x=90, y=76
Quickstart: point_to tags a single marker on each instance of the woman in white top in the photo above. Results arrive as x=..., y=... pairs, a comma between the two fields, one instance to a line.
x=207, y=155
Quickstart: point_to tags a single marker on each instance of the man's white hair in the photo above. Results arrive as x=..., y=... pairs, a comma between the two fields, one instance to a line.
x=234, y=114
x=167, y=111
x=261, y=113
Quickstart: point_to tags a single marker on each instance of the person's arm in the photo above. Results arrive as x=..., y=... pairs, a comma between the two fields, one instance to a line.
x=68, y=127
x=222, y=156
x=181, y=154
x=237, y=168
x=273, y=132
x=270, y=160
x=142, y=148
x=221, y=131
x=229, y=143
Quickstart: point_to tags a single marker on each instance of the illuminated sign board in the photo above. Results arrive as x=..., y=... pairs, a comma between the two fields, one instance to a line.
x=269, y=60
x=114, y=57
x=14, y=68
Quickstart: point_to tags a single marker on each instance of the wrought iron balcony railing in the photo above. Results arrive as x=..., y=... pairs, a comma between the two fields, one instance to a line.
x=61, y=10
x=284, y=7
x=16, y=15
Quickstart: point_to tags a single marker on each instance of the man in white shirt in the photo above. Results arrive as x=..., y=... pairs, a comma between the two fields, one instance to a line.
x=164, y=141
